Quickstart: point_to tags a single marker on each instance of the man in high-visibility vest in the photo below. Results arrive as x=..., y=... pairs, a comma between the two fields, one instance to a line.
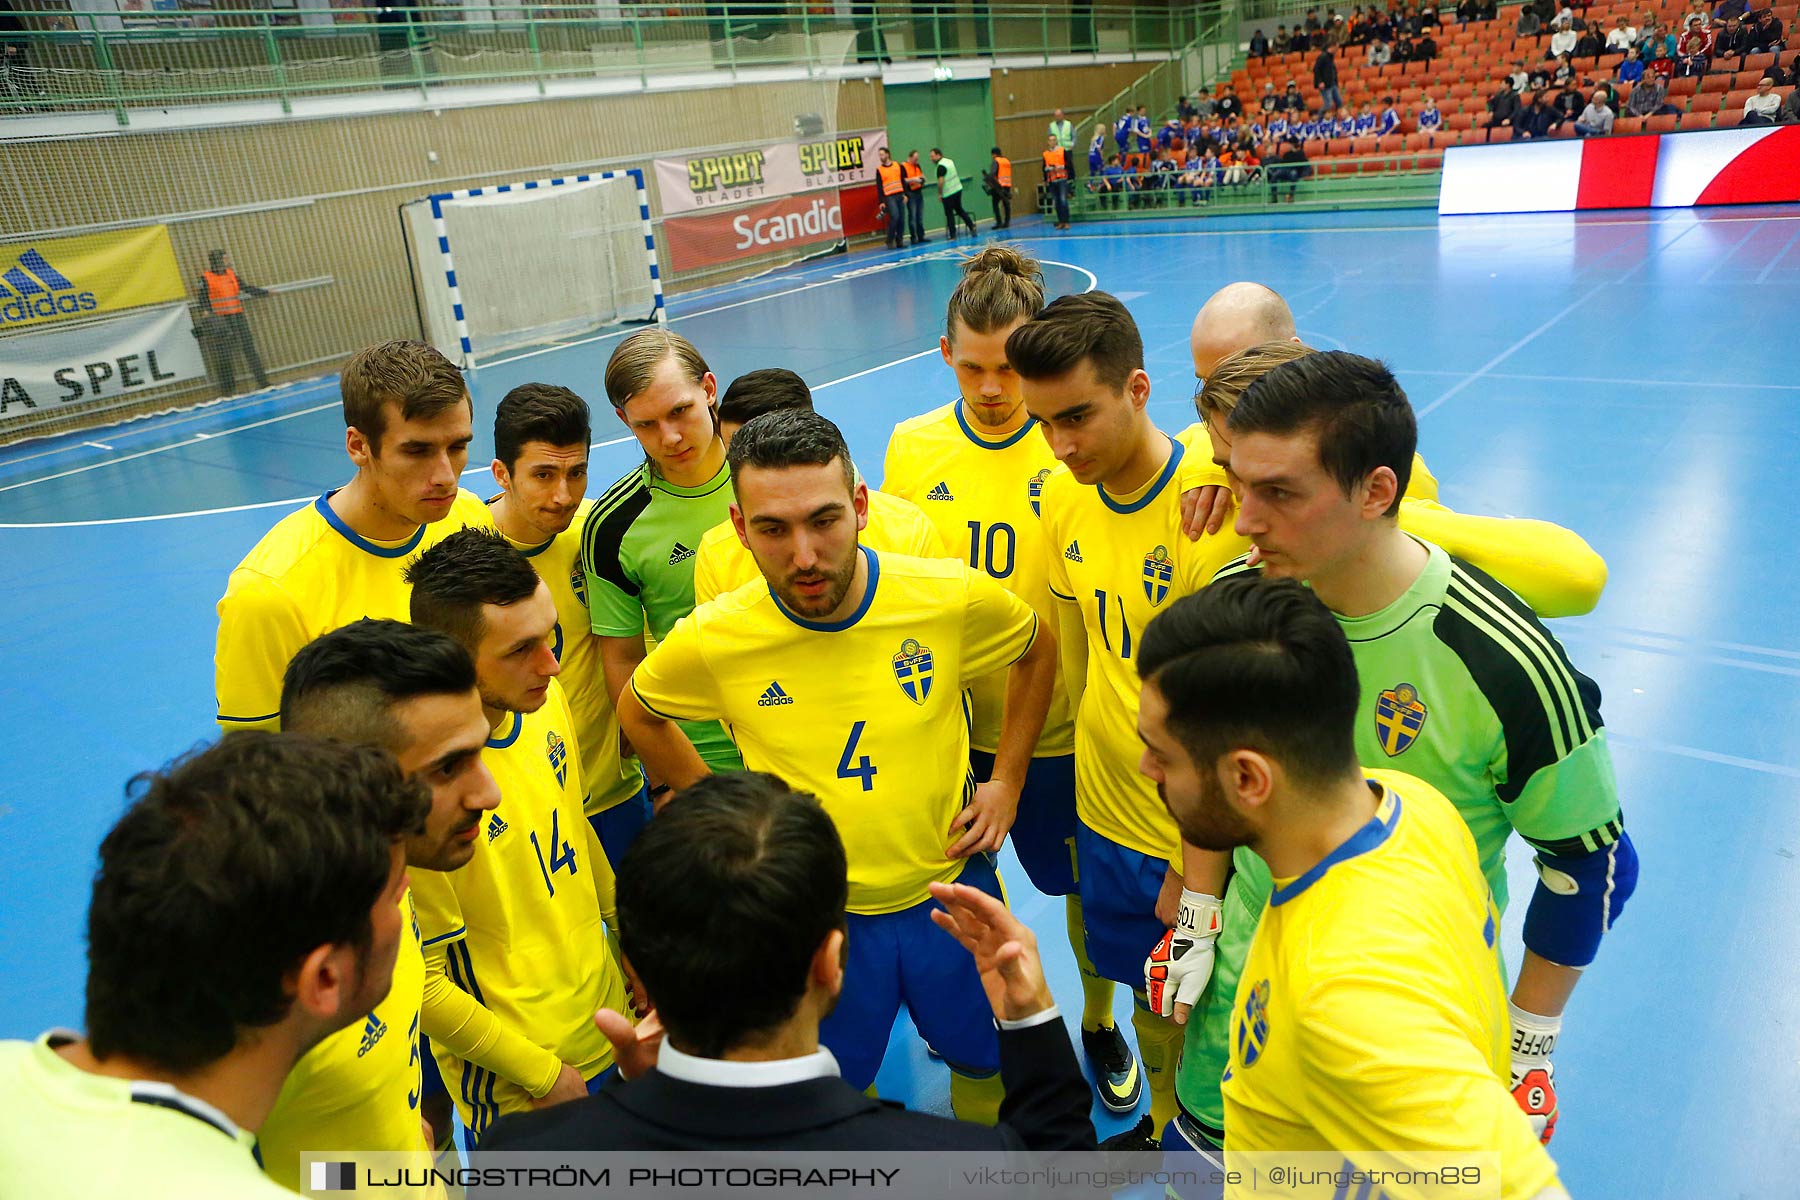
x=222, y=294
x=996, y=181
x=888, y=174
x=1056, y=179
x=1063, y=131
x=950, y=193
x=915, y=197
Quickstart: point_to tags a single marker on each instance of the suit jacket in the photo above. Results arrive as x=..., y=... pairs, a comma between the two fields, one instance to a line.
x=1046, y=1108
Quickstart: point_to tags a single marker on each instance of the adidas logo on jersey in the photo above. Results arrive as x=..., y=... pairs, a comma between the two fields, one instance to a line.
x=940, y=492
x=496, y=827
x=679, y=554
x=373, y=1028
x=773, y=696
x=1073, y=553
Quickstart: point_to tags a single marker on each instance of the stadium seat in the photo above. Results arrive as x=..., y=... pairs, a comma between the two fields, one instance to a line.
x=1460, y=121
x=1686, y=86
x=1697, y=120
x=1712, y=83
x=1662, y=124
x=1314, y=148
x=1746, y=79
x=1365, y=145
x=1758, y=62
x=1431, y=162
x=1735, y=101
x=1626, y=125
x=1416, y=142
x=1392, y=143
x=1706, y=102
x=1338, y=146
x=1729, y=118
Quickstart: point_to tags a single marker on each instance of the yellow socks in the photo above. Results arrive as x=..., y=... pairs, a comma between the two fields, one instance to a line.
x=977, y=1100
x=1096, y=992
x=1159, y=1050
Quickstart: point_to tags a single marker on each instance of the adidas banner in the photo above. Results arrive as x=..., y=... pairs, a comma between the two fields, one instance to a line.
x=57, y=279
x=697, y=182
x=66, y=366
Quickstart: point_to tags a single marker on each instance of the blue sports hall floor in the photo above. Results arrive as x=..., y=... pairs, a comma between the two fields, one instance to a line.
x=1630, y=375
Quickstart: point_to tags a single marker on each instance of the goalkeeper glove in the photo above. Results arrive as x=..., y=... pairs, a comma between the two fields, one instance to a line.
x=1178, y=968
x=1533, y=1074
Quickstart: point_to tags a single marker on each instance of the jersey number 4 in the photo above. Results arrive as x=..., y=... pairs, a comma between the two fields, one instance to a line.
x=864, y=769
x=562, y=854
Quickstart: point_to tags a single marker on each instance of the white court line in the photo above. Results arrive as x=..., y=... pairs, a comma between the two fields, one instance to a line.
x=1626, y=741
x=1093, y=282
x=1683, y=383
x=198, y=437
x=1763, y=275
x=1487, y=226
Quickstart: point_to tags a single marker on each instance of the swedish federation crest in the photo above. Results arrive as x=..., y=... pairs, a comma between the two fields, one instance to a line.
x=912, y=670
x=1035, y=490
x=1253, y=1024
x=1399, y=716
x=557, y=751
x=1159, y=572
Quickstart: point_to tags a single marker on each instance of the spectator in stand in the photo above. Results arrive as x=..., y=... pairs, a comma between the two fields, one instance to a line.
x=1390, y=117
x=1529, y=23
x=1425, y=49
x=1693, y=50
x=1298, y=42
x=1338, y=36
x=1380, y=53
x=1563, y=40
x=1520, y=77
x=1764, y=108
x=1312, y=20
x=1596, y=119
x=1563, y=71
x=1227, y=104
x=1588, y=44
x=1184, y=108
x=1468, y=10
x=1790, y=108
x=1490, y=10
x=1607, y=88
x=1109, y=182
x=1381, y=25
x=1503, y=106
x=1535, y=120
x=1325, y=78
x=1649, y=97
x=1733, y=41
x=1271, y=99
x=1204, y=106
x=1279, y=130
x=1430, y=118
x=1731, y=8
x=1621, y=37
x=1289, y=167
x=1366, y=120
x=1765, y=34
x=1632, y=69
x=1660, y=65
x=1293, y=101
x=1259, y=45
x=1566, y=105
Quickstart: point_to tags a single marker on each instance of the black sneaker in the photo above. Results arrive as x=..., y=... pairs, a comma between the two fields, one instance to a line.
x=1140, y=1137
x=1116, y=1075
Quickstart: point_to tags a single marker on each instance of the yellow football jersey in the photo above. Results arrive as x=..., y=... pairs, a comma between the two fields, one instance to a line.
x=359, y=1088
x=1122, y=560
x=982, y=495
x=895, y=527
x=868, y=714
x=1371, y=1014
x=522, y=924
x=307, y=576
x=608, y=779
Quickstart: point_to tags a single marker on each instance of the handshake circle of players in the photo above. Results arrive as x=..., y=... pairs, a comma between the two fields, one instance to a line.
x=1263, y=711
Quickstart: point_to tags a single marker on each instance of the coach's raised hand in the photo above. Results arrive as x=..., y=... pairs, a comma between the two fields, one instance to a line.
x=1005, y=951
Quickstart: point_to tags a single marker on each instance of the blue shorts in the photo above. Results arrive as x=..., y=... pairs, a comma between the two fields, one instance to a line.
x=431, y=1081
x=903, y=958
x=471, y=1144
x=1119, y=887
x=1043, y=834
x=618, y=826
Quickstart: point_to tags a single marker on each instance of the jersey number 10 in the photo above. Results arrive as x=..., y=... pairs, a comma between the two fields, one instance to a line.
x=994, y=553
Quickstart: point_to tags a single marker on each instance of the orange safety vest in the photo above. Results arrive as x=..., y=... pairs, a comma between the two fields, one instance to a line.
x=222, y=292
x=1003, y=172
x=915, y=176
x=1056, y=165
x=890, y=179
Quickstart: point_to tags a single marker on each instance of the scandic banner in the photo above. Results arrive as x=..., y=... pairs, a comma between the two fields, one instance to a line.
x=706, y=181
x=812, y=218
x=57, y=279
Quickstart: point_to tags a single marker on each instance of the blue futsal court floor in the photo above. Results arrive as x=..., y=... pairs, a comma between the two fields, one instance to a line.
x=1630, y=375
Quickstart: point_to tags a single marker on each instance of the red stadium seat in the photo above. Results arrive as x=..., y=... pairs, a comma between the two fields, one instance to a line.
x=1712, y=83
x=1567, y=129
x=1663, y=124
x=1625, y=125
x=1417, y=141
x=1314, y=148
x=1685, y=86
x=1365, y=145
x=1728, y=118
x=1392, y=143
x=1707, y=102
x=1697, y=120
x=1758, y=62
x=1746, y=79
x=1338, y=146
x=1460, y=121
x=1735, y=101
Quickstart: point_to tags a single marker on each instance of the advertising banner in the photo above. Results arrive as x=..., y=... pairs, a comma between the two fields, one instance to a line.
x=813, y=218
x=699, y=182
x=58, y=279
x=102, y=360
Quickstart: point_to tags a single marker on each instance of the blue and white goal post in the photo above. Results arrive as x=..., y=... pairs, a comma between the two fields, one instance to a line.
x=534, y=263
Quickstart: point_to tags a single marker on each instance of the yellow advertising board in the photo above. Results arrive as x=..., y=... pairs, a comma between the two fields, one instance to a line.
x=60, y=279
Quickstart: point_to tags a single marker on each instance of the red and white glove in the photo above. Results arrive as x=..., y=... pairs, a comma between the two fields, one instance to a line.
x=1177, y=970
x=1533, y=1074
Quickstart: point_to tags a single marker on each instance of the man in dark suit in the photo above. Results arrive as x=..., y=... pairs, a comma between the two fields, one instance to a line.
x=731, y=914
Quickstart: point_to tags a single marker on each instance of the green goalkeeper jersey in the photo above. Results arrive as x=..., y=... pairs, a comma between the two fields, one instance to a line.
x=1464, y=688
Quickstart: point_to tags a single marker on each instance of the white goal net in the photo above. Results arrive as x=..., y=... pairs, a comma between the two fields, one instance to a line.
x=525, y=264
